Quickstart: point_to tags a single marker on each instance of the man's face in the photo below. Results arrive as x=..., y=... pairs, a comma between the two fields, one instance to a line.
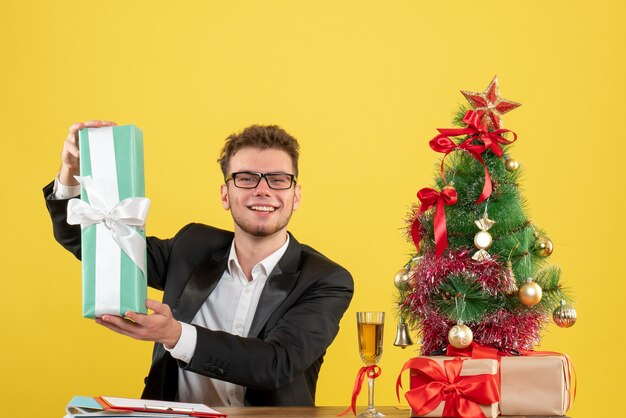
x=260, y=212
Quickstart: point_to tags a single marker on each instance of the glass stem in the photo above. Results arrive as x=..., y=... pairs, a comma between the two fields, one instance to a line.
x=370, y=394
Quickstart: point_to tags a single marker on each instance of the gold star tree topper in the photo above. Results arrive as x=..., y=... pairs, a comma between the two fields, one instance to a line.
x=490, y=104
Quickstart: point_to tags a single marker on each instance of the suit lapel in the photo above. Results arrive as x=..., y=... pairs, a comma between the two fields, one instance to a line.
x=279, y=284
x=199, y=286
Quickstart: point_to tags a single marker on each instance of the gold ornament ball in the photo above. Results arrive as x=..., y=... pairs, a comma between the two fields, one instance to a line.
x=401, y=279
x=511, y=165
x=483, y=240
x=564, y=316
x=543, y=246
x=460, y=336
x=530, y=293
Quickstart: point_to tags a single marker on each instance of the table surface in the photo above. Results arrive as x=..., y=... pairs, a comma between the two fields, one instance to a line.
x=320, y=412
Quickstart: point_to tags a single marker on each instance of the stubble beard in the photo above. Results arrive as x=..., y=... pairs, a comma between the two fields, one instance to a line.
x=262, y=231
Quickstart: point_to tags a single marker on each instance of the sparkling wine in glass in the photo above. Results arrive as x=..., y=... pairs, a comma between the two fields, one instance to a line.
x=370, y=326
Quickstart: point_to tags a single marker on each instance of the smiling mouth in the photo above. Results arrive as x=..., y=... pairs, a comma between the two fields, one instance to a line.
x=266, y=209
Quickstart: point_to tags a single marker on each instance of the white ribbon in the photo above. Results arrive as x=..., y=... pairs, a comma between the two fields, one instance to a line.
x=118, y=220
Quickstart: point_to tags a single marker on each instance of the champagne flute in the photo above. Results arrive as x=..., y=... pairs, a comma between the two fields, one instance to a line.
x=370, y=326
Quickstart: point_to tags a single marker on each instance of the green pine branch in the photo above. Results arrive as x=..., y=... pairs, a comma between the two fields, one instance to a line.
x=464, y=299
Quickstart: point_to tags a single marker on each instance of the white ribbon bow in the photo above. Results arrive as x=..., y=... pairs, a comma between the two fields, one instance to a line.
x=119, y=219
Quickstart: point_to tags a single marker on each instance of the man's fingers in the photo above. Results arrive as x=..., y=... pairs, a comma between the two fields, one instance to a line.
x=159, y=326
x=138, y=318
x=75, y=127
x=112, y=319
x=112, y=326
x=95, y=124
x=118, y=322
x=98, y=123
x=90, y=124
x=71, y=147
x=158, y=307
x=124, y=327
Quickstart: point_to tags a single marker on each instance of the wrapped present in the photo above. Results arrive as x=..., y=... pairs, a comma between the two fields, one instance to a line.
x=535, y=385
x=446, y=386
x=111, y=211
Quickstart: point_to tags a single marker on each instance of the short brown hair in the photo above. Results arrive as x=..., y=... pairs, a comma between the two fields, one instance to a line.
x=263, y=137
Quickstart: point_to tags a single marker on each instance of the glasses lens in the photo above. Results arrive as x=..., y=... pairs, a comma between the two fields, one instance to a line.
x=279, y=181
x=246, y=180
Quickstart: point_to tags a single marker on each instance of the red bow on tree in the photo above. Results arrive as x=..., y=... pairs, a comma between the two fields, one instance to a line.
x=429, y=198
x=476, y=132
x=431, y=385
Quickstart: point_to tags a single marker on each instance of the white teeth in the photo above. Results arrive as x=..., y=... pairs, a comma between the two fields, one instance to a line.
x=263, y=208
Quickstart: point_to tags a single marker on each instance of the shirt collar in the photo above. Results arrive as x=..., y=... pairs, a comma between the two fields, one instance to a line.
x=268, y=263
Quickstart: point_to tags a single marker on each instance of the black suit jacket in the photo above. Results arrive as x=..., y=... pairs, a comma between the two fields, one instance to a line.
x=297, y=317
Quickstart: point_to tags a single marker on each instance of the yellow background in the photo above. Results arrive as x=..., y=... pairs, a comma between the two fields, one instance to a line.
x=362, y=85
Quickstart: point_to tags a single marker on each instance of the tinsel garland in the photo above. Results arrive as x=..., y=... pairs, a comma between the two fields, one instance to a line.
x=511, y=328
x=511, y=331
x=504, y=330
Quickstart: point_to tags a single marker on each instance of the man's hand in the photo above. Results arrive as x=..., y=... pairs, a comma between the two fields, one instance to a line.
x=70, y=156
x=160, y=326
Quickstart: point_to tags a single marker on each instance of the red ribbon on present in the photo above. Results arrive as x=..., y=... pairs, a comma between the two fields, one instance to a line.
x=430, y=385
x=476, y=131
x=429, y=198
x=476, y=351
x=372, y=372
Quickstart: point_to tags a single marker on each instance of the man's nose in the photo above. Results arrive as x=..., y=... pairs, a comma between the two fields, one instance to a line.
x=263, y=188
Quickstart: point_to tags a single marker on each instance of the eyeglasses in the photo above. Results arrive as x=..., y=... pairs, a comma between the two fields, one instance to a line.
x=250, y=180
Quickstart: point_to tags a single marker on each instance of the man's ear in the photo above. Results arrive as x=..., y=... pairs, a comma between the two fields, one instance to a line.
x=224, y=196
x=296, y=197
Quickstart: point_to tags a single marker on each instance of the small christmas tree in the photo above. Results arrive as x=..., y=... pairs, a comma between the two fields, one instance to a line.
x=479, y=271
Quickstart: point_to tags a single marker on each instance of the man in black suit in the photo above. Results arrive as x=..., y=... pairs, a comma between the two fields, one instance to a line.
x=246, y=317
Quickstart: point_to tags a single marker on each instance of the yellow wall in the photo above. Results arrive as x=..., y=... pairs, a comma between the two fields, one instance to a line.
x=363, y=85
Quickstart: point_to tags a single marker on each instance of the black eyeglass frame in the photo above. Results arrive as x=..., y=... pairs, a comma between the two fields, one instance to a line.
x=260, y=176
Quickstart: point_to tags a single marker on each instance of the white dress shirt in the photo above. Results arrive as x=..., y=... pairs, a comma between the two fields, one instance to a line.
x=61, y=191
x=230, y=308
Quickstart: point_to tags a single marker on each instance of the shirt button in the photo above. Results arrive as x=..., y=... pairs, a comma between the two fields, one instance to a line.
x=246, y=290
